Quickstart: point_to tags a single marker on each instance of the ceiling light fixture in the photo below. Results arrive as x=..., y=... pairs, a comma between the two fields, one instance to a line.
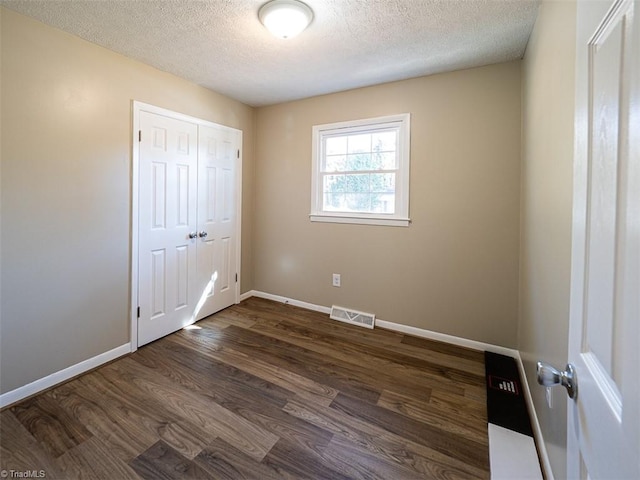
x=285, y=18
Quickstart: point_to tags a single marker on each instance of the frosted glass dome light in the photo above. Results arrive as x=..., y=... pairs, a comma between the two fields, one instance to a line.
x=285, y=18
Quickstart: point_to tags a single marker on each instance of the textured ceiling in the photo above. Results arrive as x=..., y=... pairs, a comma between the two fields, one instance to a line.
x=220, y=44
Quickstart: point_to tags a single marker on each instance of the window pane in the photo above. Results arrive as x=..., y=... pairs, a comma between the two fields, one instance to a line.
x=383, y=203
x=334, y=202
x=359, y=161
x=335, y=163
x=384, y=141
x=384, y=161
x=336, y=145
x=334, y=183
x=358, y=202
x=359, y=143
x=357, y=183
x=383, y=182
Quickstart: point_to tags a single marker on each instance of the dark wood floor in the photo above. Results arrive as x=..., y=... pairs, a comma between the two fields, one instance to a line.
x=262, y=391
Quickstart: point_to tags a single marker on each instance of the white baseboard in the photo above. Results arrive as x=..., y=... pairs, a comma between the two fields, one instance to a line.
x=245, y=295
x=396, y=327
x=285, y=300
x=49, y=381
x=442, y=337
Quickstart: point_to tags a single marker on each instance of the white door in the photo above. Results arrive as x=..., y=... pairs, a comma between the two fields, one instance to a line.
x=218, y=153
x=187, y=190
x=604, y=337
x=167, y=196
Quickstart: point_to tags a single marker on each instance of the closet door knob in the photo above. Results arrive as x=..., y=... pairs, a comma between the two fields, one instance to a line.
x=193, y=235
x=202, y=234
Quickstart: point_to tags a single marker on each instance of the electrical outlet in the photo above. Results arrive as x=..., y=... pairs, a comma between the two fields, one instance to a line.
x=336, y=279
x=549, y=396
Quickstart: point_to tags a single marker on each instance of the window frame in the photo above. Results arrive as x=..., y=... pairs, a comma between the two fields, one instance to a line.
x=368, y=125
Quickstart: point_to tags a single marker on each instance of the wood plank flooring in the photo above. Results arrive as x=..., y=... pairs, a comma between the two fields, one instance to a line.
x=259, y=391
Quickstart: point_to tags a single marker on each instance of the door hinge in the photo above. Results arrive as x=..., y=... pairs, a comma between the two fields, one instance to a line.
x=238, y=153
x=236, y=278
x=138, y=312
x=139, y=135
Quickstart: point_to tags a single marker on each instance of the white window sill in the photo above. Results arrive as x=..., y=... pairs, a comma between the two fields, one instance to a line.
x=389, y=222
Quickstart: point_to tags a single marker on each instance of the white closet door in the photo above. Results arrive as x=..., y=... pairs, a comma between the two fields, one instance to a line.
x=186, y=207
x=168, y=163
x=218, y=155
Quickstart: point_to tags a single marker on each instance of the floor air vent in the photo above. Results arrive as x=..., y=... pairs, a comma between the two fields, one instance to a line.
x=361, y=319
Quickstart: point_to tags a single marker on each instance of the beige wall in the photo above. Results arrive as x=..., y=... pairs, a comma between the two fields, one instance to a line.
x=66, y=163
x=455, y=269
x=547, y=176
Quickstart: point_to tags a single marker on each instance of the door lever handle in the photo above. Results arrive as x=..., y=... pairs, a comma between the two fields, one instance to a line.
x=202, y=234
x=549, y=376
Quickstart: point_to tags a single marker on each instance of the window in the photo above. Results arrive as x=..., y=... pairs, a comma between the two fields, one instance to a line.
x=361, y=171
